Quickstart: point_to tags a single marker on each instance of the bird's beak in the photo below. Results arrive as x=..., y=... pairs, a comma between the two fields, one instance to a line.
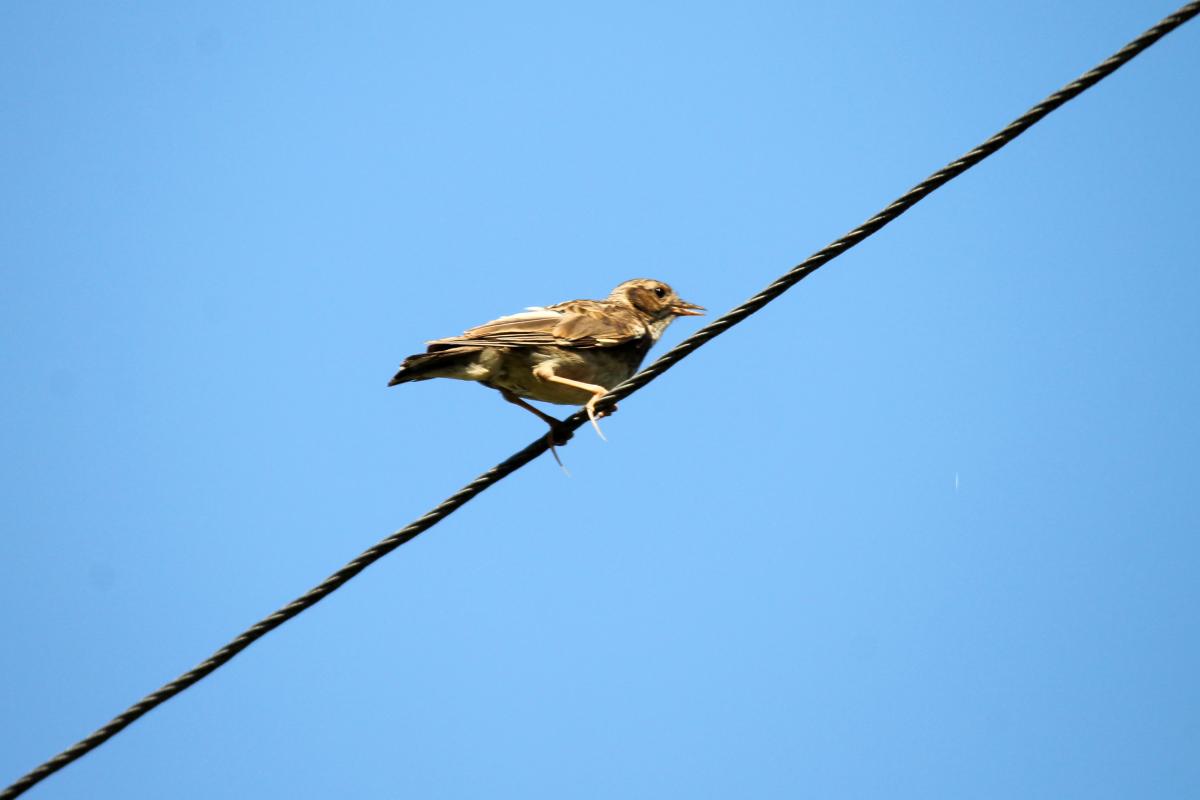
x=686, y=309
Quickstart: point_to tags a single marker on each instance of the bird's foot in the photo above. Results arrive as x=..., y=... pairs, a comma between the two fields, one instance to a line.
x=559, y=434
x=551, y=442
x=595, y=415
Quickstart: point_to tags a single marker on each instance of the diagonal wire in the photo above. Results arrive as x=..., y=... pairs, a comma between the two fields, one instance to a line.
x=668, y=360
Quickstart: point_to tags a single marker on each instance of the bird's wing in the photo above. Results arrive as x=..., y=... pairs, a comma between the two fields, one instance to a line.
x=578, y=323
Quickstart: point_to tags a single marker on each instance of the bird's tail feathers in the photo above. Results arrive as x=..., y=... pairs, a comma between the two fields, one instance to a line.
x=423, y=366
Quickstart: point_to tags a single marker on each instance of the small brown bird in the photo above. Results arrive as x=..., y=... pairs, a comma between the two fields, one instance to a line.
x=571, y=353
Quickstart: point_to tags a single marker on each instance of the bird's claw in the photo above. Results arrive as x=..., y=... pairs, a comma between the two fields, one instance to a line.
x=595, y=416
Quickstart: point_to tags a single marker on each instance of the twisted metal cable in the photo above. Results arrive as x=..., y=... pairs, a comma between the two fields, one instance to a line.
x=665, y=362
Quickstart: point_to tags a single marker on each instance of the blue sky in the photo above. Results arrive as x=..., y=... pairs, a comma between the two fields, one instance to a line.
x=926, y=526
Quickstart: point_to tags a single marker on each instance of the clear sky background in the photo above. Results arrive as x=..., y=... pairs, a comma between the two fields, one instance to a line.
x=925, y=527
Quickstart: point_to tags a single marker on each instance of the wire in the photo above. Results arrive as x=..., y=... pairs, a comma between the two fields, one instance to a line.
x=668, y=360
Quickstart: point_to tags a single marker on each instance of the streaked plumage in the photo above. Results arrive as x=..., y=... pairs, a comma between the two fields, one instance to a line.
x=571, y=353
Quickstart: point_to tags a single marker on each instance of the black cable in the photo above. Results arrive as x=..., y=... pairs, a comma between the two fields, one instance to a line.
x=668, y=360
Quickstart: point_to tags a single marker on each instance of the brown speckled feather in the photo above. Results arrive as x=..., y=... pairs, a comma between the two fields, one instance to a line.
x=576, y=323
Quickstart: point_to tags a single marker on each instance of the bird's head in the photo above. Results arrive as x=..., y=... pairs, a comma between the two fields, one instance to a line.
x=654, y=300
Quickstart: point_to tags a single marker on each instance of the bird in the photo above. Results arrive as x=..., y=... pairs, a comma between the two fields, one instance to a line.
x=569, y=353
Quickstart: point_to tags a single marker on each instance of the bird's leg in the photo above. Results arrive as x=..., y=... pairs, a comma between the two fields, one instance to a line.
x=559, y=433
x=546, y=373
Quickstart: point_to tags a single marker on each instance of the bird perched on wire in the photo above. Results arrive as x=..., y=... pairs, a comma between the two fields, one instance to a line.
x=571, y=353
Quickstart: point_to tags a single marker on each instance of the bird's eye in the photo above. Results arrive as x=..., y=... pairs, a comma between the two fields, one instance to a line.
x=660, y=292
